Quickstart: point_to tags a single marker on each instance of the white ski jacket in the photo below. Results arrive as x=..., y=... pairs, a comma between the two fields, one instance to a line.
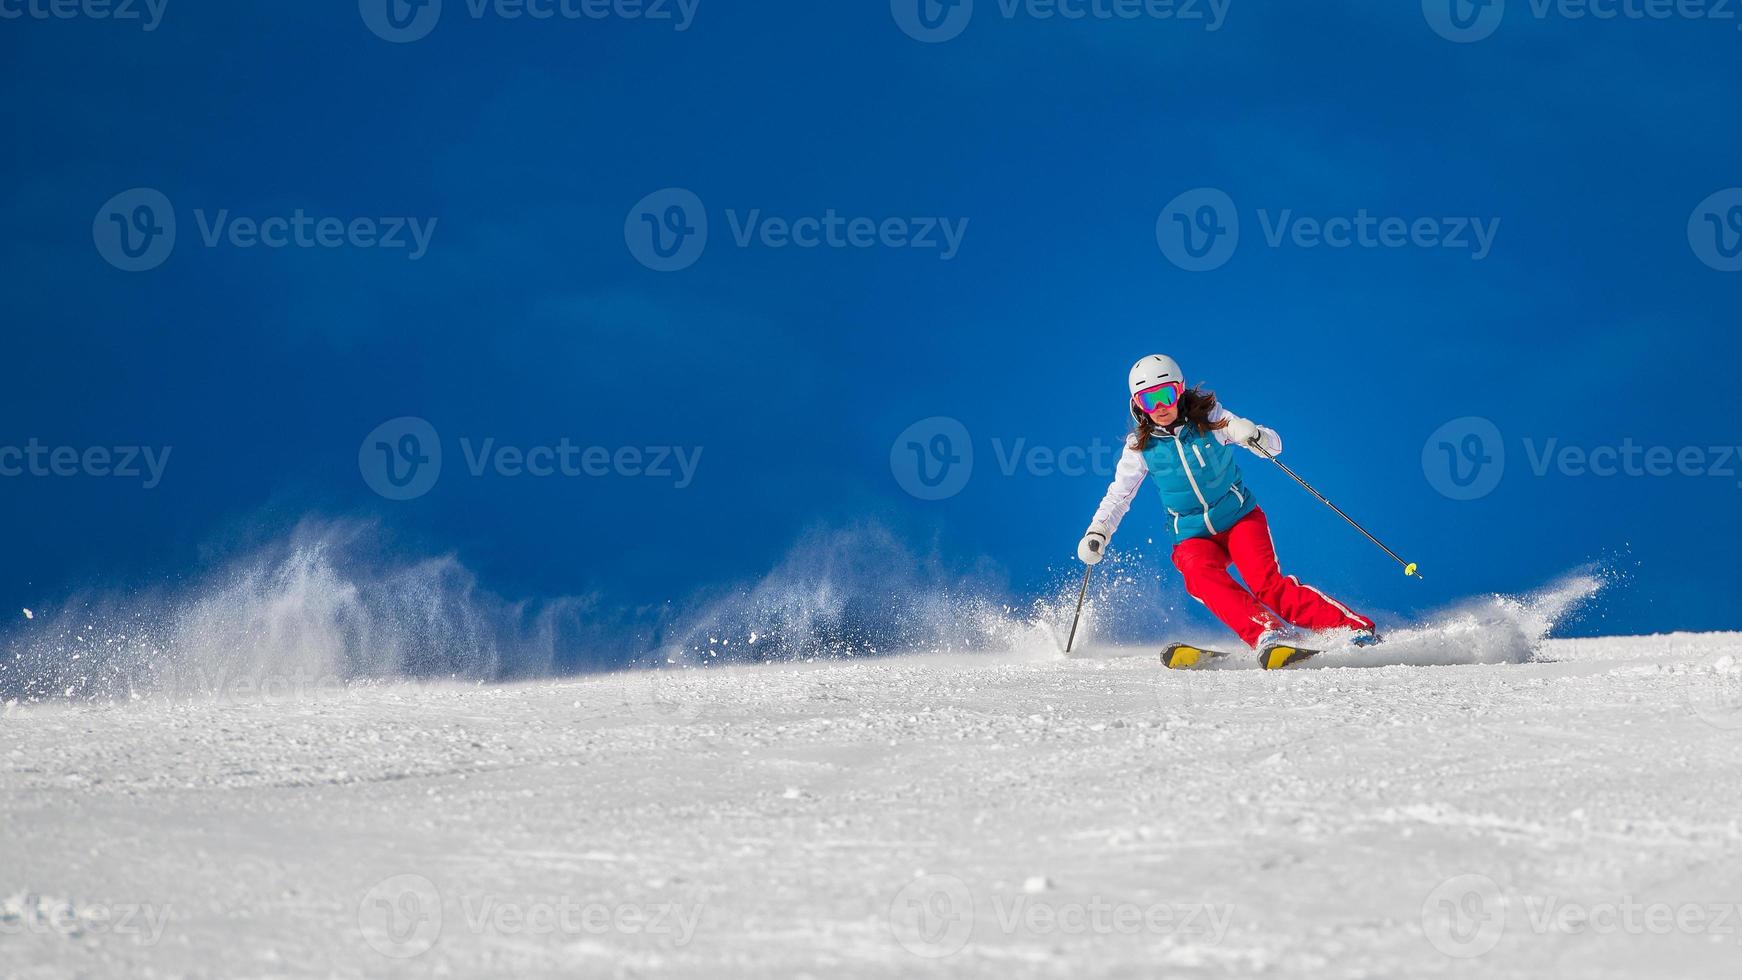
x=1133, y=468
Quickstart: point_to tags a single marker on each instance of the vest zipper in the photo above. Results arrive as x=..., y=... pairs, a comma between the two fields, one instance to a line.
x=1186, y=465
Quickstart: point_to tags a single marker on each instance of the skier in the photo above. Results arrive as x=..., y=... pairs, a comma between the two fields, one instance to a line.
x=1182, y=438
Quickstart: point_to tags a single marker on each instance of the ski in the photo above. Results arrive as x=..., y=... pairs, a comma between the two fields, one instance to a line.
x=1184, y=656
x=1280, y=655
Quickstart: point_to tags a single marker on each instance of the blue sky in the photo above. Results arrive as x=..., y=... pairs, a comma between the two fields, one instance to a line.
x=1596, y=316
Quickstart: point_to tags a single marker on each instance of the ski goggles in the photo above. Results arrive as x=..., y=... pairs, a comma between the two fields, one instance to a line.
x=1161, y=396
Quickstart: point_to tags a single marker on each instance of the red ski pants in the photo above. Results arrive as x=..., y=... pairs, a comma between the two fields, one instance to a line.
x=1204, y=563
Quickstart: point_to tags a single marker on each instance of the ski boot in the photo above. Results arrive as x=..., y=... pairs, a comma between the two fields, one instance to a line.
x=1276, y=650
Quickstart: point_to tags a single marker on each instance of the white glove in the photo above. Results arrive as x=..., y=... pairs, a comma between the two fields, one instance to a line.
x=1092, y=548
x=1241, y=432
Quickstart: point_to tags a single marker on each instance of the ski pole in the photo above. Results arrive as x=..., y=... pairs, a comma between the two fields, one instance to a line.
x=1408, y=566
x=1080, y=596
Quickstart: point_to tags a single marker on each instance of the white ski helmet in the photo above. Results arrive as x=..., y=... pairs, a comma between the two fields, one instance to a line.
x=1151, y=371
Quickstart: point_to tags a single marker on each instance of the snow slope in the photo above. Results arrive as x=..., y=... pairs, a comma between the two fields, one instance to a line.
x=991, y=815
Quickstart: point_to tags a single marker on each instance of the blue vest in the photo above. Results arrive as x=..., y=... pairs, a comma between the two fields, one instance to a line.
x=1199, y=482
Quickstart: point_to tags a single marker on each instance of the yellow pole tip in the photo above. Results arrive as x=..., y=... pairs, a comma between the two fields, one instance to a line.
x=1409, y=569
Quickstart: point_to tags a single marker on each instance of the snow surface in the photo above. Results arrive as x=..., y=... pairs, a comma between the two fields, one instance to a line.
x=1001, y=814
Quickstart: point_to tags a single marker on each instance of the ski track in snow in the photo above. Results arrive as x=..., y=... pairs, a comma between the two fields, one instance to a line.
x=897, y=817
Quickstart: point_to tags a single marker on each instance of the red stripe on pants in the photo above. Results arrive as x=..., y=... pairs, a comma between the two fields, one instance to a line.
x=1204, y=563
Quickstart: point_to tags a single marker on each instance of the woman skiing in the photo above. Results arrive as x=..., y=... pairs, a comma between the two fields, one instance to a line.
x=1182, y=439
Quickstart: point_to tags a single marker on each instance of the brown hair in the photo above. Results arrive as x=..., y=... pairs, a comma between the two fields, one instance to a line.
x=1195, y=407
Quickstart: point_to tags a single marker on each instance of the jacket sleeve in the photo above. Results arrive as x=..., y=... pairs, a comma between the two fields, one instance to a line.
x=1126, y=479
x=1267, y=437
